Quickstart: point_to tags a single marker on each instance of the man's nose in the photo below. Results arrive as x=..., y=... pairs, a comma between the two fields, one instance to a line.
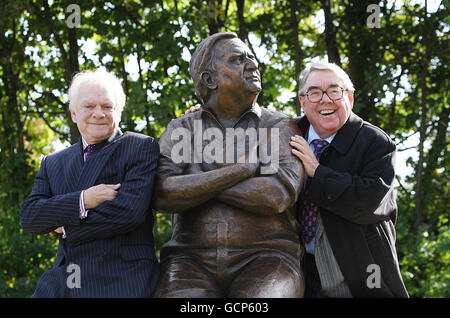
x=98, y=111
x=326, y=98
x=252, y=64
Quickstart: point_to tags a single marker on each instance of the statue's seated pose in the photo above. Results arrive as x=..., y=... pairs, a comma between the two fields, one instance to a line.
x=235, y=233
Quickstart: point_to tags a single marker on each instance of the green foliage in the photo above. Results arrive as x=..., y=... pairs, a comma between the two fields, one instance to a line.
x=400, y=72
x=163, y=230
x=425, y=257
x=24, y=257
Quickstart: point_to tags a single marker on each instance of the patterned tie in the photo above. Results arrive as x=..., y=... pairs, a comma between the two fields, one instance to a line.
x=308, y=210
x=88, y=150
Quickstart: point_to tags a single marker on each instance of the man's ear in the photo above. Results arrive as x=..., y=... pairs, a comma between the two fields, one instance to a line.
x=301, y=99
x=209, y=80
x=73, y=115
x=351, y=98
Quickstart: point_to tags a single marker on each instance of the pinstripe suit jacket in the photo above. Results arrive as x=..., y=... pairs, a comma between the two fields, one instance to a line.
x=113, y=246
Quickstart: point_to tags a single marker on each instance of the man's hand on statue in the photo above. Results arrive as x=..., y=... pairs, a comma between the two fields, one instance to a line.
x=193, y=109
x=301, y=149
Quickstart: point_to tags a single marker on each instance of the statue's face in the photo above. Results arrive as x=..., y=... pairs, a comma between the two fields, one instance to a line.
x=236, y=68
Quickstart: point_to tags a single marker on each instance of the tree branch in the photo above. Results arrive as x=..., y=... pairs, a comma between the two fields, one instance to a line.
x=54, y=31
x=41, y=115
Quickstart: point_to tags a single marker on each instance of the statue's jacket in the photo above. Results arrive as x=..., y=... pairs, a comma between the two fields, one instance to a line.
x=216, y=225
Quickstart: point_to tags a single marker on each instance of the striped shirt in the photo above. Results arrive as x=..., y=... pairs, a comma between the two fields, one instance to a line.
x=331, y=278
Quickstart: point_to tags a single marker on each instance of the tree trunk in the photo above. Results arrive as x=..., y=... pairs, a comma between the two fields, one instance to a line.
x=330, y=34
x=420, y=210
x=362, y=58
x=242, y=31
x=297, y=49
x=70, y=62
x=74, y=68
x=11, y=114
x=216, y=15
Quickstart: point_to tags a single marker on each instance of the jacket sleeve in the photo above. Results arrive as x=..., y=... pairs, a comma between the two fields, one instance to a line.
x=43, y=212
x=280, y=180
x=131, y=206
x=365, y=195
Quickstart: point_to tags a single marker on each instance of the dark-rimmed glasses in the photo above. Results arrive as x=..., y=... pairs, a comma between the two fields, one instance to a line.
x=315, y=95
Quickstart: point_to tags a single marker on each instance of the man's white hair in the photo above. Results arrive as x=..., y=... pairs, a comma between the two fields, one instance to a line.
x=107, y=79
x=324, y=66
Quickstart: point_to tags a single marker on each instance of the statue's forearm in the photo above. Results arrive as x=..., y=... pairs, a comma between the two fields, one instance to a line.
x=262, y=195
x=183, y=192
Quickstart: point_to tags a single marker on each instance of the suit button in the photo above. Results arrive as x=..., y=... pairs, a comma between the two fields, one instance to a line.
x=100, y=259
x=329, y=197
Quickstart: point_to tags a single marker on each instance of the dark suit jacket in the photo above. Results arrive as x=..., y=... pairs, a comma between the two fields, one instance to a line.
x=113, y=246
x=353, y=186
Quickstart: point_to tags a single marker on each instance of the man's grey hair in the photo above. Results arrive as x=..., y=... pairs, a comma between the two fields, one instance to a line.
x=323, y=66
x=203, y=60
x=107, y=79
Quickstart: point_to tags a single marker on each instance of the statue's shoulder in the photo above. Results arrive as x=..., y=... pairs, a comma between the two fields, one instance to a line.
x=183, y=122
x=272, y=117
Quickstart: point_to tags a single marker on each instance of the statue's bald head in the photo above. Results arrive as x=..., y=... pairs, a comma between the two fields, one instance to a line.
x=203, y=60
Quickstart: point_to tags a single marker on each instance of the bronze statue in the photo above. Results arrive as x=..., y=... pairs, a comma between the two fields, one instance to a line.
x=228, y=176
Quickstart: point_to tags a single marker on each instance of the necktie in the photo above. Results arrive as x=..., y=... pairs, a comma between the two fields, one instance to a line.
x=308, y=210
x=88, y=151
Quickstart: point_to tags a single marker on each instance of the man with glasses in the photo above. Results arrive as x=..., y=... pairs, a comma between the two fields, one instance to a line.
x=348, y=208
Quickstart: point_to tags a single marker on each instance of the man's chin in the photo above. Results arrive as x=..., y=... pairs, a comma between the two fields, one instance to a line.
x=255, y=89
x=100, y=135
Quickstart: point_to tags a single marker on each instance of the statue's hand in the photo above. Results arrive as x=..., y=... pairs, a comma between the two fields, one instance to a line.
x=253, y=168
x=194, y=169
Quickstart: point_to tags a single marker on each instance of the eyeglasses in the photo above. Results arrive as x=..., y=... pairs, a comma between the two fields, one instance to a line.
x=315, y=94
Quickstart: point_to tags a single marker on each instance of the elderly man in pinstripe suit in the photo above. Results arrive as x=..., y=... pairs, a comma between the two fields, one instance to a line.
x=95, y=195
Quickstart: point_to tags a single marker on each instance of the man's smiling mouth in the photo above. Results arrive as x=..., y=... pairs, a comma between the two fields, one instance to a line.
x=327, y=111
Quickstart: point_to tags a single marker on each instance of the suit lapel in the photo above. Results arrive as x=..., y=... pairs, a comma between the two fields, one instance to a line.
x=96, y=162
x=72, y=166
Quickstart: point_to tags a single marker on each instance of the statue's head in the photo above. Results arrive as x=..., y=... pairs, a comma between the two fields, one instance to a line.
x=223, y=60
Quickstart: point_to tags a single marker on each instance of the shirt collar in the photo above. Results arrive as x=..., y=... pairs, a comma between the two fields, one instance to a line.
x=111, y=138
x=255, y=109
x=312, y=134
x=85, y=144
